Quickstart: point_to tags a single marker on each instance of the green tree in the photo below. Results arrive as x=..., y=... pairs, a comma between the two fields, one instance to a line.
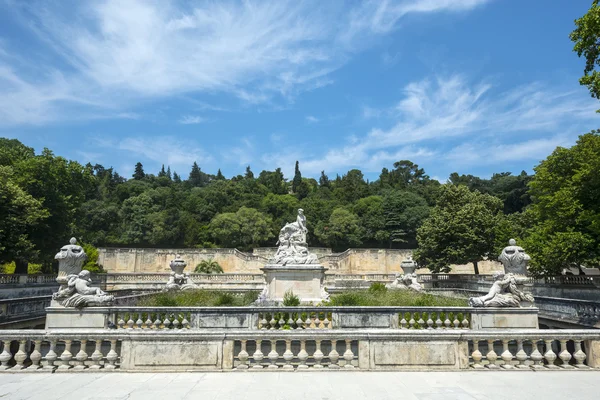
x=566, y=208
x=297, y=181
x=460, y=229
x=220, y=176
x=343, y=230
x=244, y=229
x=586, y=37
x=404, y=212
x=209, y=266
x=20, y=214
x=139, y=174
x=324, y=180
x=372, y=219
x=197, y=178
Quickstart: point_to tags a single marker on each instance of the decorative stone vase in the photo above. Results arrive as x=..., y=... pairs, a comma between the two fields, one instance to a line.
x=178, y=265
x=408, y=266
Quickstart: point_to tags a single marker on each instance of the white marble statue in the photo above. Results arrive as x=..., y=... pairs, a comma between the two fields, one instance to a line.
x=503, y=293
x=80, y=293
x=179, y=280
x=406, y=281
x=71, y=258
x=514, y=259
x=293, y=247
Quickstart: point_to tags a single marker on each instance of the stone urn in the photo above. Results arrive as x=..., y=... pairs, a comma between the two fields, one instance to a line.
x=408, y=266
x=178, y=265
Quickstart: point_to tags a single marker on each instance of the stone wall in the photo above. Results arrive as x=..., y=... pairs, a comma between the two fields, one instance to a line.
x=351, y=261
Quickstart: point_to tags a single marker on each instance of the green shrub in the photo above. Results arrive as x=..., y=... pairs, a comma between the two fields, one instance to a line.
x=209, y=266
x=397, y=298
x=377, y=287
x=224, y=299
x=290, y=299
x=91, y=263
x=198, y=298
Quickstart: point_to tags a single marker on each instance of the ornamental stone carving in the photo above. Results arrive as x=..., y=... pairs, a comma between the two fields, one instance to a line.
x=79, y=292
x=75, y=284
x=503, y=293
x=514, y=259
x=179, y=280
x=406, y=281
x=293, y=247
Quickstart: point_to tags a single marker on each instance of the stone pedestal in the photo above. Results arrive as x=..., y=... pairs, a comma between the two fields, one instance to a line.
x=305, y=280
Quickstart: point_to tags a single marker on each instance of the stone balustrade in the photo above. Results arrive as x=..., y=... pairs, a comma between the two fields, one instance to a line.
x=365, y=349
x=15, y=312
x=291, y=318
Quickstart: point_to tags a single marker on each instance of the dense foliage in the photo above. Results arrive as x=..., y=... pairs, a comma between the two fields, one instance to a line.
x=379, y=295
x=198, y=298
x=45, y=199
x=586, y=37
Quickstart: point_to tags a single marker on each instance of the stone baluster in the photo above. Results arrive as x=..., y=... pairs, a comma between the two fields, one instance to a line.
x=120, y=321
x=281, y=321
x=299, y=321
x=456, y=322
x=403, y=321
x=138, y=322
x=166, y=321
x=290, y=321
x=476, y=355
x=81, y=356
x=148, y=322
x=66, y=356
x=465, y=322
x=130, y=321
x=327, y=322
x=258, y=356
x=36, y=355
x=348, y=355
x=273, y=355
x=506, y=355
x=334, y=356
x=273, y=322
x=429, y=321
x=185, y=323
x=262, y=321
x=438, y=321
x=447, y=321
x=112, y=355
x=243, y=356
x=579, y=355
x=97, y=354
x=411, y=322
x=176, y=322
x=51, y=356
x=421, y=322
x=564, y=355
x=288, y=356
x=312, y=319
x=157, y=322
x=521, y=356
x=20, y=356
x=302, y=355
x=549, y=355
x=491, y=355
x=536, y=356
x=318, y=355
x=6, y=355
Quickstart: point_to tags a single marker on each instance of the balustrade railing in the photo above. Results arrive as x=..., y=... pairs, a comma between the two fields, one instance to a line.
x=367, y=349
x=25, y=279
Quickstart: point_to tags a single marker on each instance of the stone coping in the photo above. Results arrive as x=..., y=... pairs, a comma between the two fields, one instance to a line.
x=294, y=267
x=306, y=334
x=346, y=309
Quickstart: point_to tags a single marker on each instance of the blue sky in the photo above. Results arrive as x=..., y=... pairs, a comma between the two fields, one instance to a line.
x=473, y=86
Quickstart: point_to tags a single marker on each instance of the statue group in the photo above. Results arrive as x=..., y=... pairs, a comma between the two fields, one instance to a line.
x=293, y=246
x=76, y=288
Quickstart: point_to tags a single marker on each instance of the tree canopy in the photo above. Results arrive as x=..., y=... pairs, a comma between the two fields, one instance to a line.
x=586, y=37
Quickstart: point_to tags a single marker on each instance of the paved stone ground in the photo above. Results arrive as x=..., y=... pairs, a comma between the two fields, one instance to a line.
x=509, y=385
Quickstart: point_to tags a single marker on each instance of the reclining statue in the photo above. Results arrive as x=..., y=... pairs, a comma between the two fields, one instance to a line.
x=406, y=281
x=503, y=293
x=79, y=292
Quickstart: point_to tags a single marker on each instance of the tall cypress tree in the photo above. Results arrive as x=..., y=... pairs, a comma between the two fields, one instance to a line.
x=249, y=174
x=220, y=176
x=323, y=180
x=162, y=171
x=139, y=172
x=169, y=172
x=196, y=176
x=297, y=178
x=176, y=177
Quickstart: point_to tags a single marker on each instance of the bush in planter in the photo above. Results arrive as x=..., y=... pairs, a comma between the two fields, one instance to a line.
x=290, y=299
x=209, y=266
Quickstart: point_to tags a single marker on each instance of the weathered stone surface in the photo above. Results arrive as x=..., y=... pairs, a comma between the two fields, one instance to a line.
x=365, y=320
x=510, y=320
x=514, y=259
x=389, y=354
x=304, y=280
x=68, y=318
x=174, y=355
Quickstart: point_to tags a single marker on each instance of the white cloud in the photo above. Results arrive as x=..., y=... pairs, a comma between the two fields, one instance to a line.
x=118, y=56
x=458, y=122
x=311, y=119
x=191, y=119
x=166, y=150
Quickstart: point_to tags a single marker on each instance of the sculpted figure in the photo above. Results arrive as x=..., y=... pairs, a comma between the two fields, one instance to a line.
x=293, y=248
x=80, y=293
x=514, y=259
x=179, y=280
x=503, y=293
x=406, y=281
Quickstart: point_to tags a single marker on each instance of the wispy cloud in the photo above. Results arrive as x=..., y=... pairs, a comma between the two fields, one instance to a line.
x=311, y=119
x=452, y=119
x=253, y=51
x=192, y=119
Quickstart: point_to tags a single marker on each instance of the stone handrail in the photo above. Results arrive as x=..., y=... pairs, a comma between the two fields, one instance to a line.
x=23, y=308
x=294, y=318
x=26, y=279
x=367, y=349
